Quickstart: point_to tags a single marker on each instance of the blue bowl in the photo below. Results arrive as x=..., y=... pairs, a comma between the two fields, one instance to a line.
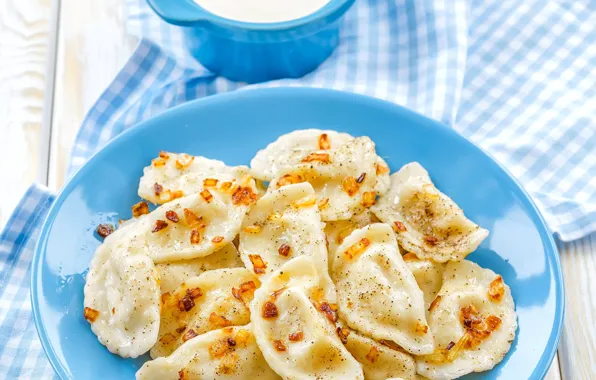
x=256, y=52
x=232, y=128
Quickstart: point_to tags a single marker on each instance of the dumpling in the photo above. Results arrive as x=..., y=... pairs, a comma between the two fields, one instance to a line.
x=346, y=179
x=173, y=175
x=427, y=222
x=379, y=361
x=229, y=353
x=376, y=291
x=122, y=296
x=473, y=321
x=285, y=224
x=196, y=225
x=294, y=326
x=215, y=299
x=292, y=147
x=337, y=231
x=174, y=273
x=428, y=275
x=383, y=178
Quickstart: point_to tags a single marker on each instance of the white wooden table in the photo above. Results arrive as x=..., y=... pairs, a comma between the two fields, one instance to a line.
x=55, y=59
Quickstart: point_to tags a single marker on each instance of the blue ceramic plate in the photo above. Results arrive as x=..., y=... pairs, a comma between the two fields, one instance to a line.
x=232, y=128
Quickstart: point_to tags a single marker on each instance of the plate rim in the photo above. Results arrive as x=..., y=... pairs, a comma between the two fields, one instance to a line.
x=551, y=249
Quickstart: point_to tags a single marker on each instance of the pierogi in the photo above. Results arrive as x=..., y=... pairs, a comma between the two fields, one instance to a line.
x=174, y=175
x=376, y=291
x=315, y=263
x=473, y=321
x=122, y=295
x=294, y=326
x=347, y=180
x=228, y=353
x=215, y=299
x=427, y=222
x=285, y=224
x=174, y=273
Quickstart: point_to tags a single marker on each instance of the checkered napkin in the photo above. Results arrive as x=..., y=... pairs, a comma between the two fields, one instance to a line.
x=21, y=355
x=517, y=78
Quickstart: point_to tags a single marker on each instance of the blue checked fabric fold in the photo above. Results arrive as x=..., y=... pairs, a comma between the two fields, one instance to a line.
x=516, y=78
x=21, y=355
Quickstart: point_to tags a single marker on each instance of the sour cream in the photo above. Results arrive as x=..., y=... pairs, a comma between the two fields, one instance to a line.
x=266, y=11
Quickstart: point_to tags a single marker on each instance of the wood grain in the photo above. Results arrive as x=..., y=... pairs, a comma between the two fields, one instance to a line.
x=577, y=350
x=554, y=372
x=24, y=39
x=92, y=47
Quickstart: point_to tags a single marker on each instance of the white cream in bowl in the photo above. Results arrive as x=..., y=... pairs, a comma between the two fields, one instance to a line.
x=262, y=11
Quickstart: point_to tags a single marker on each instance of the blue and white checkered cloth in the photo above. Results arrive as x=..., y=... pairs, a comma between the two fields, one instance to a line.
x=517, y=78
x=21, y=355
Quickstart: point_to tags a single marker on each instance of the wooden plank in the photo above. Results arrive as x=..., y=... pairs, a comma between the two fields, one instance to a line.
x=554, y=372
x=577, y=350
x=24, y=40
x=48, y=106
x=92, y=47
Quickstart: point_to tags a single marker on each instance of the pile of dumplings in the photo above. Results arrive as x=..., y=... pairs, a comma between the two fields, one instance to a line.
x=314, y=263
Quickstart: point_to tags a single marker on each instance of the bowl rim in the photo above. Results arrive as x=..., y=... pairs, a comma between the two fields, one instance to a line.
x=551, y=250
x=195, y=15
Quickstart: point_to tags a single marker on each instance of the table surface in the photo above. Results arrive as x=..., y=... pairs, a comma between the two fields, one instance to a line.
x=55, y=59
